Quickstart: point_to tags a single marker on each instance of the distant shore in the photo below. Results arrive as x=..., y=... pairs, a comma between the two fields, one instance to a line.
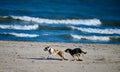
x=19, y=56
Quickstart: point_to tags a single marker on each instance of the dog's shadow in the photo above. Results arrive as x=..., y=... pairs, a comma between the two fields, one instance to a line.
x=41, y=58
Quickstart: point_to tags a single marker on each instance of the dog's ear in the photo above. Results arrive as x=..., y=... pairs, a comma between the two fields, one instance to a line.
x=47, y=47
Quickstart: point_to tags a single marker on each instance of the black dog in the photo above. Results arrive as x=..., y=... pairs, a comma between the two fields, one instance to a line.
x=75, y=53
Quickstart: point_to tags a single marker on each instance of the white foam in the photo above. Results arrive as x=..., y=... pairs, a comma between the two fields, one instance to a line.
x=19, y=27
x=93, y=38
x=96, y=30
x=94, y=22
x=23, y=35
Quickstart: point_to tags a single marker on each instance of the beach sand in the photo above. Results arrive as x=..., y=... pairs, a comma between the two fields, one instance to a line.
x=29, y=57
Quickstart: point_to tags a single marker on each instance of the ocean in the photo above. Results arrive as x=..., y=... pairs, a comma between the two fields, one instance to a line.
x=66, y=21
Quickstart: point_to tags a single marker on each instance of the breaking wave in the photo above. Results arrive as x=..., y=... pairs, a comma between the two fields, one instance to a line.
x=19, y=27
x=22, y=35
x=90, y=22
x=93, y=38
x=95, y=30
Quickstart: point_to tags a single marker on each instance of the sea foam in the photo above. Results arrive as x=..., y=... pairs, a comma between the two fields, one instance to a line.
x=20, y=27
x=92, y=38
x=90, y=22
x=22, y=35
x=97, y=30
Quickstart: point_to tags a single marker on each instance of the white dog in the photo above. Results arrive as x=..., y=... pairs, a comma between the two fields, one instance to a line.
x=54, y=52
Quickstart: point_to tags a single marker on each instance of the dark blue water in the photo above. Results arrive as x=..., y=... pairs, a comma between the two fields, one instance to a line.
x=71, y=21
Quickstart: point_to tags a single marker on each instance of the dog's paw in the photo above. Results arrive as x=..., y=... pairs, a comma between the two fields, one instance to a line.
x=64, y=59
x=73, y=60
x=45, y=58
x=79, y=60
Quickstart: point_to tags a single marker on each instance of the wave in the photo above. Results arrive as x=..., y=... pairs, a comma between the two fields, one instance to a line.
x=22, y=35
x=19, y=27
x=95, y=30
x=90, y=22
x=92, y=38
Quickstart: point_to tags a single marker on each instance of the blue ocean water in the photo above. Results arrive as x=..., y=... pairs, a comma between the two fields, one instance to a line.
x=69, y=21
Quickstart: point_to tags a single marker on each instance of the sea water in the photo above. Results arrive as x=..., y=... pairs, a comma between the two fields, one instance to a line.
x=69, y=21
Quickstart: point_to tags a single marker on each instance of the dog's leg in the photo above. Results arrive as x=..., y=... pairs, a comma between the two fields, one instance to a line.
x=79, y=55
x=74, y=58
x=48, y=56
x=61, y=54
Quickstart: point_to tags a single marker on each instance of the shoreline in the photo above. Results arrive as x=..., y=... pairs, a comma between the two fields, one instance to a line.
x=22, y=56
x=62, y=42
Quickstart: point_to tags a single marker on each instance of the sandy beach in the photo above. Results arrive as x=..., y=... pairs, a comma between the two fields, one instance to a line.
x=29, y=57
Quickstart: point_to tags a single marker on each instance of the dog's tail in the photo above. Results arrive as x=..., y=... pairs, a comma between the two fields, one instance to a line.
x=84, y=52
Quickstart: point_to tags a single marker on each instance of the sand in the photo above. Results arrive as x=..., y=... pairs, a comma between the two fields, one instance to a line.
x=29, y=57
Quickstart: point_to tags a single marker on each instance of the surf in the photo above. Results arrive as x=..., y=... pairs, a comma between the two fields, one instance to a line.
x=92, y=38
x=26, y=35
x=89, y=22
x=20, y=27
x=97, y=30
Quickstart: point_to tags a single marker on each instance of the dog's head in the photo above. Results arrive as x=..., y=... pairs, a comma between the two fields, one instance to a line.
x=46, y=48
x=68, y=50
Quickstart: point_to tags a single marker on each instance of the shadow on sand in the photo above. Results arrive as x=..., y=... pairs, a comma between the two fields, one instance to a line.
x=41, y=58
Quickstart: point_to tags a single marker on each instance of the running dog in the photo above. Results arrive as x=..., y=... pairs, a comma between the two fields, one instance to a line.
x=52, y=51
x=75, y=53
